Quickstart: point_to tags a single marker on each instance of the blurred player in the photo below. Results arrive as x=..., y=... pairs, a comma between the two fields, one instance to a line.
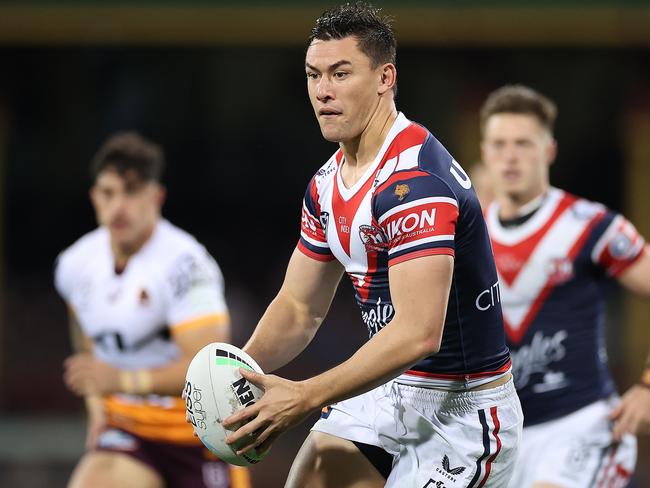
x=553, y=251
x=429, y=399
x=144, y=296
x=482, y=185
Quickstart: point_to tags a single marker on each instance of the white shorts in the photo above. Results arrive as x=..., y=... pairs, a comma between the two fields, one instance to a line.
x=575, y=451
x=436, y=438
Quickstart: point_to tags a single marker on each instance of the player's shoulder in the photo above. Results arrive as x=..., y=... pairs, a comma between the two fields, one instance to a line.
x=85, y=250
x=170, y=241
x=417, y=159
x=581, y=208
x=327, y=170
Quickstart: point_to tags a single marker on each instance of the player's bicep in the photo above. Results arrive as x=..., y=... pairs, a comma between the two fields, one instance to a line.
x=310, y=284
x=419, y=290
x=636, y=277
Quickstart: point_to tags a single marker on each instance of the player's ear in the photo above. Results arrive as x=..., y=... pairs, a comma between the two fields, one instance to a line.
x=92, y=194
x=551, y=151
x=388, y=78
x=161, y=195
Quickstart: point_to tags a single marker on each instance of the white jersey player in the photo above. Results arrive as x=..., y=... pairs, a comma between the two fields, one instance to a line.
x=146, y=296
x=553, y=252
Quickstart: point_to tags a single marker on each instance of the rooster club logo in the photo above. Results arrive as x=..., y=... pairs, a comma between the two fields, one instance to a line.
x=401, y=191
x=372, y=238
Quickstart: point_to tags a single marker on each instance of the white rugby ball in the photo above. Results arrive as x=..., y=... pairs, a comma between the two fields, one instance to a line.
x=214, y=389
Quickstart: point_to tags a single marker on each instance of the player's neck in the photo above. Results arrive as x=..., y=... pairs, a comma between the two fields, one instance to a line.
x=122, y=251
x=512, y=206
x=361, y=151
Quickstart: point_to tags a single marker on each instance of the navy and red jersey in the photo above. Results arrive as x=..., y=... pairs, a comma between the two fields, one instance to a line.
x=414, y=200
x=551, y=271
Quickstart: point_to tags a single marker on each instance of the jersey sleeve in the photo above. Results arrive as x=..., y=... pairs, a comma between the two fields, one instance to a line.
x=64, y=277
x=196, y=292
x=417, y=213
x=618, y=244
x=313, y=241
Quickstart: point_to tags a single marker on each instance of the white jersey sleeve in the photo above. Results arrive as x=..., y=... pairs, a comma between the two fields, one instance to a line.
x=68, y=269
x=63, y=277
x=195, y=289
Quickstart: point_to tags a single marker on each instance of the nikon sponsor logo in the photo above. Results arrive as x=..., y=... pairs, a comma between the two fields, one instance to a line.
x=411, y=222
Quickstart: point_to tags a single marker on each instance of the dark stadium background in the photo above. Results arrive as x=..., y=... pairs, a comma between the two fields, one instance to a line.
x=229, y=105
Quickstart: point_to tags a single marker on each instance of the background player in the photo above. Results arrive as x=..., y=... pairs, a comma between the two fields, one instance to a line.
x=394, y=210
x=553, y=250
x=144, y=297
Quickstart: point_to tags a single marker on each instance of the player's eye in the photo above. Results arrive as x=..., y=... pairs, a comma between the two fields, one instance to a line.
x=106, y=193
x=340, y=75
x=311, y=75
x=498, y=145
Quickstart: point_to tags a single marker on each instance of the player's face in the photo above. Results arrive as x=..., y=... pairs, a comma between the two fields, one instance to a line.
x=127, y=206
x=342, y=87
x=517, y=151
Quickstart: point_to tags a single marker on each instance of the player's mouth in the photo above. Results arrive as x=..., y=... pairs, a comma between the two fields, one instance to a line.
x=511, y=175
x=328, y=113
x=118, y=225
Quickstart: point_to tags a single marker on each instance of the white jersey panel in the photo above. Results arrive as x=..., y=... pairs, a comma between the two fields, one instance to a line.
x=172, y=280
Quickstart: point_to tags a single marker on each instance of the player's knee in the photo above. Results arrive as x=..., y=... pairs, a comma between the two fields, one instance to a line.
x=327, y=461
x=107, y=470
x=94, y=469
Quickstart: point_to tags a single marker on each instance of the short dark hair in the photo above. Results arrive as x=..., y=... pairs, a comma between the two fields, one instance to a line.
x=362, y=20
x=129, y=151
x=519, y=99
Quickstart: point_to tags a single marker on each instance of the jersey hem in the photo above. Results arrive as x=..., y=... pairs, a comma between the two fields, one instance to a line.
x=200, y=322
x=313, y=255
x=438, y=251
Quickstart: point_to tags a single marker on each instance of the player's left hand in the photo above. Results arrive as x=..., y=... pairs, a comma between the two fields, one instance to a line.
x=84, y=375
x=632, y=415
x=283, y=405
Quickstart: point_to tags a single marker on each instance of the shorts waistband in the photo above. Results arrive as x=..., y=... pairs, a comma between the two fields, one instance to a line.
x=452, y=401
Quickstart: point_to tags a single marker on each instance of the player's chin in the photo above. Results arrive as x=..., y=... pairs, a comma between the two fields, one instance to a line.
x=331, y=136
x=331, y=133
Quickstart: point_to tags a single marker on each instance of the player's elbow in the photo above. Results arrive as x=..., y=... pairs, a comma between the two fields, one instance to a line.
x=430, y=345
x=429, y=340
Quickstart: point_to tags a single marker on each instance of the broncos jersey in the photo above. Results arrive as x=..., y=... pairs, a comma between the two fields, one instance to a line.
x=414, y=200
x=171, y=285
x=551, y=269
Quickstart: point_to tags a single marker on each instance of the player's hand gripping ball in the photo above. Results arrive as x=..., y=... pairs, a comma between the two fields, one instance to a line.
x=214, y=390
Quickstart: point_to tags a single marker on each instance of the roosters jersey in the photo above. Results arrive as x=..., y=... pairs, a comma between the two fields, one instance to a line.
x=414, y=200
x=551, y=269
x=170, y=285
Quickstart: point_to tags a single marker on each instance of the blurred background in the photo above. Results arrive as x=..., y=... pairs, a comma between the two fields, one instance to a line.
x=221, y=86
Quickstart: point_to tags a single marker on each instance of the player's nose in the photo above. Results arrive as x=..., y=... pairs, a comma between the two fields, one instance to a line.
x=510, y=154
x=324, y=89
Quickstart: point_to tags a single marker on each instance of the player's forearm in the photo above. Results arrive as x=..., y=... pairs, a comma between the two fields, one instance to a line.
x=94, y=405
x=282, y=333
x=388, y=354
x=167, y=380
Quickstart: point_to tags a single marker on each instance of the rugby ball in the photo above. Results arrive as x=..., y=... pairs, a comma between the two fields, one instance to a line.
x=214, y=389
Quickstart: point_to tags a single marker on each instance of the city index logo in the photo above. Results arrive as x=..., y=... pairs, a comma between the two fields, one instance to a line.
x=412, y=222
